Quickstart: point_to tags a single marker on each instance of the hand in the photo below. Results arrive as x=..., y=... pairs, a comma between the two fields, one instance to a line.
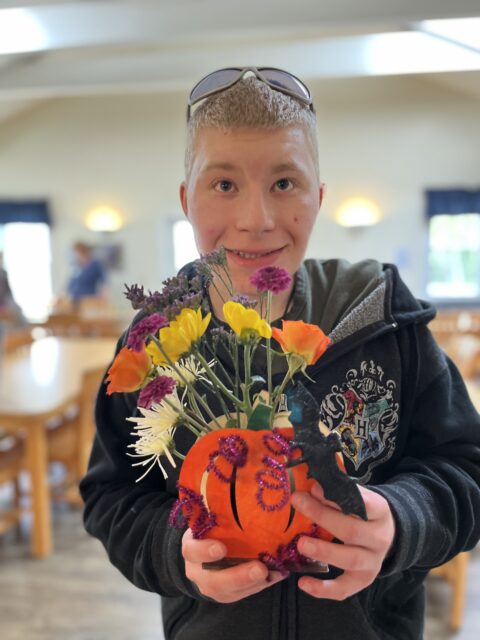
x=365, y=543
x=223, y=585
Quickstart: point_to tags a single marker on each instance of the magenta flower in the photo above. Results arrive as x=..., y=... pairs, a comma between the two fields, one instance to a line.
x=155, y=391
x=274, y=279
x=148, y=326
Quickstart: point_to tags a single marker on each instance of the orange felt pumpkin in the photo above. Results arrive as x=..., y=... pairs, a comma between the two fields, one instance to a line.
x=250, y=498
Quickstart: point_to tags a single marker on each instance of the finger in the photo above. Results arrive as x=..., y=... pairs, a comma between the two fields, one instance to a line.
x=229, y=585
x=235, y=596
x=318, y=493
x=202, y=550
x=349, y=529
x=376, y=505
x=346, y=557
x=341, y=588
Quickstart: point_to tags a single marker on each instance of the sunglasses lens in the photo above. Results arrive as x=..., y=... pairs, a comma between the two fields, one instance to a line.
x=284, y=80
x=213, y=82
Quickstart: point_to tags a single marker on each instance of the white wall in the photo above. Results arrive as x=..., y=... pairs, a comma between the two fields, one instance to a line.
x=385, y=138
x=389, y=139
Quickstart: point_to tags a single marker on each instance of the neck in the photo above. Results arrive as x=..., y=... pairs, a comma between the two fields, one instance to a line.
x=219, y=295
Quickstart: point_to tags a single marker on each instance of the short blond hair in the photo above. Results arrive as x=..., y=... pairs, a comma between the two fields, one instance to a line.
x=250, y=103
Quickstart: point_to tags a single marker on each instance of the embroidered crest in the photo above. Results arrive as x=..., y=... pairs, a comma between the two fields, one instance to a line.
x=363, y=411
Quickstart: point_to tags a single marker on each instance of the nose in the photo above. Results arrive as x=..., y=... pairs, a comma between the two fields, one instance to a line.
x=256, y=215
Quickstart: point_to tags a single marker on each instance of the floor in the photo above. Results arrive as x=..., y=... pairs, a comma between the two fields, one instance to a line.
x=75, y=594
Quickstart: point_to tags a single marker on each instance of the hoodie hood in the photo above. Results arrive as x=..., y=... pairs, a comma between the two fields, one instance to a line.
x=350, y=297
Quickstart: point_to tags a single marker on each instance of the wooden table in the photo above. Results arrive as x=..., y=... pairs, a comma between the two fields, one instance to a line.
x=38, y=382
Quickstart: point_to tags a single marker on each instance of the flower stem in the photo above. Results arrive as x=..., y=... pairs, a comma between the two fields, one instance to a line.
x=187, y=383
x=217, y=382
x=269, y=350
x=247, y=380
x=219, y=363
x=190, y=423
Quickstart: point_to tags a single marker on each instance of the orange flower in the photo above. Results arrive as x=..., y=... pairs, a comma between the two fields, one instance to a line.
x=301, y=339
x=128, y=371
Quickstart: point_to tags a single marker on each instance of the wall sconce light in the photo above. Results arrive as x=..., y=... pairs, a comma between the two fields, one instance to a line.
x=104, y=219
x=358, y=212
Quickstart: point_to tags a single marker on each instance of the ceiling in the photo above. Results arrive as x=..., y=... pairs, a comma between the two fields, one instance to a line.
x=60, y=48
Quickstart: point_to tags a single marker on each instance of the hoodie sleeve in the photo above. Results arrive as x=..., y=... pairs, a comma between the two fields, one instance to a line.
x=434, y=493
x=131, y=518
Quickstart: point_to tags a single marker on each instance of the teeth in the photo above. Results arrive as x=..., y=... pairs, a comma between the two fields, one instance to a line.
x=250, y=256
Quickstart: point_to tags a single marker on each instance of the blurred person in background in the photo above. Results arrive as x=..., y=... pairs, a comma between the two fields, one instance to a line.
x=88, y=278
x=9, y=310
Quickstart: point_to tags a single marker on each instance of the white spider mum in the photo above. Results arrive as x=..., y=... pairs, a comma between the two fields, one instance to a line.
x=154, y=430
x=160, y=417
x=152, y=446
x=189, y=370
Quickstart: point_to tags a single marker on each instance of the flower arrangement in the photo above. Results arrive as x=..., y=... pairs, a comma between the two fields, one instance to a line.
x=170, y=363
x=182, y=361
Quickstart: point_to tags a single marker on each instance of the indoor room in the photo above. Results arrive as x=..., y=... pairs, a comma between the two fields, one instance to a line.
x=93, y=112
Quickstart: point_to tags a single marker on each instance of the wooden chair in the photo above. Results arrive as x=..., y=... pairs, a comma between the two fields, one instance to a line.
x=70, y=438
x=455, y=572
x=11, y=454
x=13, y=339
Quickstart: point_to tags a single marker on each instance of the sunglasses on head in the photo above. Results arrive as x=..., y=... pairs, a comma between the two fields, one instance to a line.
x=276, y=79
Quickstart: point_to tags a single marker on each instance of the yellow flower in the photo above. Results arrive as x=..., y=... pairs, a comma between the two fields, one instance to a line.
x=245, y=322
x=177, y=339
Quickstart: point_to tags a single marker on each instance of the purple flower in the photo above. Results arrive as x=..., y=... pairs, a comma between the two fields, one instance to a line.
x=216, y=258
x=244, y=300
x=274, y=279
x=148, y=326
x=155, y=391
x=136, y=295
x=177, y=293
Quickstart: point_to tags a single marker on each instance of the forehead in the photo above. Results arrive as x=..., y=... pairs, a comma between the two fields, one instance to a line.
x=262, y=148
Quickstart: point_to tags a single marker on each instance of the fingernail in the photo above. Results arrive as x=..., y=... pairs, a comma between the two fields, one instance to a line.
x=215, y=550
x=299, y=500
x=308, y=548
x=255, y=573
x=275, y=576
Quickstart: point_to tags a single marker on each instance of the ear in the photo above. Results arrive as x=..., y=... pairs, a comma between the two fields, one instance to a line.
x=183, y=198
x=321, y=194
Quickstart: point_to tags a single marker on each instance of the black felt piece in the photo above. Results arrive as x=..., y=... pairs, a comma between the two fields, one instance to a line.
x=319, y=453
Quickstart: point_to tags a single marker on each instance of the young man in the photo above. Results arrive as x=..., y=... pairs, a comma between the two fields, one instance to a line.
x=408, y=429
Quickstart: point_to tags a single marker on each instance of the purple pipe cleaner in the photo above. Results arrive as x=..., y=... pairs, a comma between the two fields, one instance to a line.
x=234, y=449
x=276, y=438
x=190, y=506
x=274, y=279
x=288, y=557
x=148, y=326
x=276, y=470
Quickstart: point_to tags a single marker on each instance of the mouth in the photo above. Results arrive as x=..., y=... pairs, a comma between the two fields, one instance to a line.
x=249, y=255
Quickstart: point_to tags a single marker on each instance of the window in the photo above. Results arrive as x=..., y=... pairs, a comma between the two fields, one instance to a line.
x=27, y=257
x=184, y=247
x=454, y=245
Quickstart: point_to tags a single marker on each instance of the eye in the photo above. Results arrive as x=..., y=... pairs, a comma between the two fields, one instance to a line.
x=225, y=186
x=284, y=184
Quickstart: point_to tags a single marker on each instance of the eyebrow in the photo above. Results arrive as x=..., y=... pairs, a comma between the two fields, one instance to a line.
x=228, y=166
x=224, y=166
x=285, y=166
